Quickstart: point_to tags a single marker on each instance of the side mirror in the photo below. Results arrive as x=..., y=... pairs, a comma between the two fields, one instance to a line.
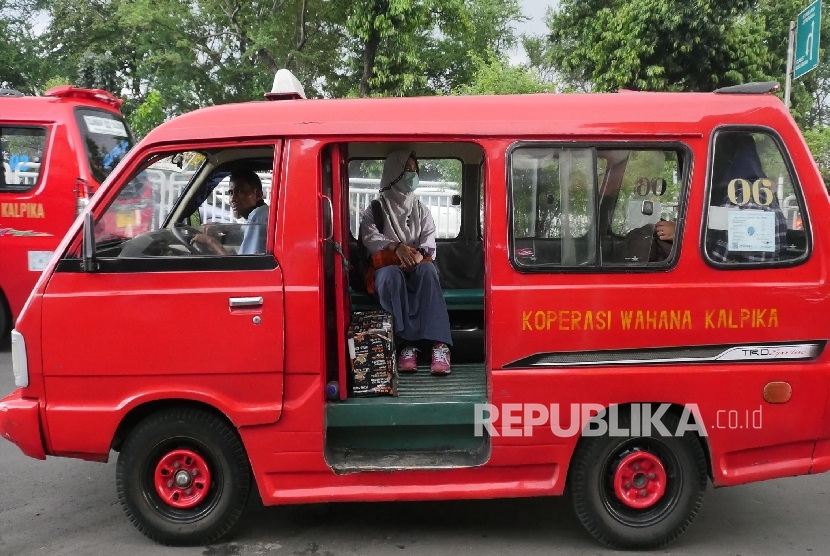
x=456, y=200
x=88, y=246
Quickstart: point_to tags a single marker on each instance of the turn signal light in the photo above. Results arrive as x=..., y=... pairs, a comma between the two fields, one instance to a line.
x=777, y=392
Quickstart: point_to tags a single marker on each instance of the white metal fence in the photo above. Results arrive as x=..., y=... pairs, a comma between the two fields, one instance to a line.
x=24, y=173
x=435, y=195
x=168, y=185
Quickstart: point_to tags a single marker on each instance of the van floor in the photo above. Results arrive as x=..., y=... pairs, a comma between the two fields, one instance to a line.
x=428, y=425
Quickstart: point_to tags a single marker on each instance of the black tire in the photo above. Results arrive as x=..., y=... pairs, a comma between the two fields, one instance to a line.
x=5, y=318
x=218, y=504
x=609, y=516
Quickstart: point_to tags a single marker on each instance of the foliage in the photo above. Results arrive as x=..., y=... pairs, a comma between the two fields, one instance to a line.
x=697, y=45
x=419, y=47
x=147, y=115
x=98, y=71
x=818, y=139
x=495, y=76
x=20, y=53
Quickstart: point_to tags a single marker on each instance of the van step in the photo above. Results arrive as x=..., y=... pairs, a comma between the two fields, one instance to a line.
x=351, y=461
x=422, y=399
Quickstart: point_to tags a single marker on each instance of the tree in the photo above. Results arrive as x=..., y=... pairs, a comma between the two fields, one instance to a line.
x=147, y=115
x=98, y=71
x=495, y=76
x=21, y=65
x=418, y=47
x=697, y=45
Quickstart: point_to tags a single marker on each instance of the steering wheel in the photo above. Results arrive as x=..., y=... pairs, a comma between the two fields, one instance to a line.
x=185, y=234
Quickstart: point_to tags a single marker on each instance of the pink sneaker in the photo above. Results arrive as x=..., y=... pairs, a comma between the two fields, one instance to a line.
x=408, y=360
x=440, y=359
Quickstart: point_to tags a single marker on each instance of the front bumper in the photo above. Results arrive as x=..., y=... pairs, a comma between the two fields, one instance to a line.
x=20, y=424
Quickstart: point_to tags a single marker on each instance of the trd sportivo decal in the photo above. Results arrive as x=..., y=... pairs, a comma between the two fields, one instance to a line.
x=790, y=351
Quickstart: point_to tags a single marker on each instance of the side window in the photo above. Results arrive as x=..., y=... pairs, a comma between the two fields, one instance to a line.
x=191, y=204
x=649, y=191
x=439, y=181
x=21, y=150
x=601, y=207
x=754, y=215
x=553, y=207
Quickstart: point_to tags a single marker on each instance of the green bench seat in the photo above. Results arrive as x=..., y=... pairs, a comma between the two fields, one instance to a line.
x=458, y=299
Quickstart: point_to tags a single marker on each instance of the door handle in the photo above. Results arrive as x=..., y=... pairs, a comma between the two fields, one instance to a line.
x=245, y=301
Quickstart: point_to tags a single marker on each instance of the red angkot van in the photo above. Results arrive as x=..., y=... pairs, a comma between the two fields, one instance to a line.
x=637, y=298
x=56, y=150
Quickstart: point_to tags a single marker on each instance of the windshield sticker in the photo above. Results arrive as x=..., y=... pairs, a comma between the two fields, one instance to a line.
x=22, y=210
x=751, y=230
x=22, y=233
x=115, y=154
x=105, y=126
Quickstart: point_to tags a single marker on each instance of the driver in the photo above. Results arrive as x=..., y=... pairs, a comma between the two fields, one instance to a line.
x=245, y=193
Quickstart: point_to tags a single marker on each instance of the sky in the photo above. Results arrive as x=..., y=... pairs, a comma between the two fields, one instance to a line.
x=535, y=25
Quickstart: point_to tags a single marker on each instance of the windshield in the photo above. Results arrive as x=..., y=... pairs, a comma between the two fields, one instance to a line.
x=106, y=139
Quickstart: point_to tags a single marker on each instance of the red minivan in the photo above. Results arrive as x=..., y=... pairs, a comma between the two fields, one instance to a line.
x=56, y=150
x=588, y=353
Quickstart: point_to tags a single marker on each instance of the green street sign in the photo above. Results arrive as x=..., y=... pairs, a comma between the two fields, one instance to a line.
x=806, y=42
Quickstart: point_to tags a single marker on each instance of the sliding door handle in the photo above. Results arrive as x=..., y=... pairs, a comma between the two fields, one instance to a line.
x=245, y=302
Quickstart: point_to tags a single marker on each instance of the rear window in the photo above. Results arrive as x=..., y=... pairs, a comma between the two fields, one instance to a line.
x=21, y=150
x=106, y=140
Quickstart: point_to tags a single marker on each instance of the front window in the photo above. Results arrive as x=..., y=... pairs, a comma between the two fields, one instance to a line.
x=22, y=151
x=106, y=140
x=193, y=203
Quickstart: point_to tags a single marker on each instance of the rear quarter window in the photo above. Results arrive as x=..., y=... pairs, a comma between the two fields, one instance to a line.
x=22, y=152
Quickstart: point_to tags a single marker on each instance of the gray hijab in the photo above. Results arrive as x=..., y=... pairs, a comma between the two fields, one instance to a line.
x=401, y=208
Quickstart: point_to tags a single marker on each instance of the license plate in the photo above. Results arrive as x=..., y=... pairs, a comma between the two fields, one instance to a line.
x=124, y=219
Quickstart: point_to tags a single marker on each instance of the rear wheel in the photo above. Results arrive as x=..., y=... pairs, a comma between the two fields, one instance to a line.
x=183, y=477
x=638, y=492
x=5, y=318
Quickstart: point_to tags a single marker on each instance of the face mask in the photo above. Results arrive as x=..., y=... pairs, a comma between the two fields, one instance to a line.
x=411, y=181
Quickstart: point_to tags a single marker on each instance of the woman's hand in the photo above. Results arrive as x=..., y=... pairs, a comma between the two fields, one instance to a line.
x=407, y=255
x=664, y=230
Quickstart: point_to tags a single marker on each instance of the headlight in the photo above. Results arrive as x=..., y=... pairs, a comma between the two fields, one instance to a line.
x=20, y=364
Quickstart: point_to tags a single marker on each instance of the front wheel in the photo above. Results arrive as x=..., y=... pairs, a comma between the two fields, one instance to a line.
x=638, y=492
x=183, y=477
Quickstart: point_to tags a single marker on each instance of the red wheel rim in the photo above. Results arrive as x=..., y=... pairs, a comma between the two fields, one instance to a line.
x=640, y=480
x=182, y=479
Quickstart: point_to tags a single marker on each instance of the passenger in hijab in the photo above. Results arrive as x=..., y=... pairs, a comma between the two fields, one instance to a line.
x=736, y=158
x=405, y=280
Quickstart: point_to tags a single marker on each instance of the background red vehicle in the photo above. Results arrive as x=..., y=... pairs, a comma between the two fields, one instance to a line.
x=56, y=151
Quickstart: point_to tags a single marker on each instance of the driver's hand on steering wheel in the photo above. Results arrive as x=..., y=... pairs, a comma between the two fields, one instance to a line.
x=664, y=230
x=210, y=242
x=211, y=230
